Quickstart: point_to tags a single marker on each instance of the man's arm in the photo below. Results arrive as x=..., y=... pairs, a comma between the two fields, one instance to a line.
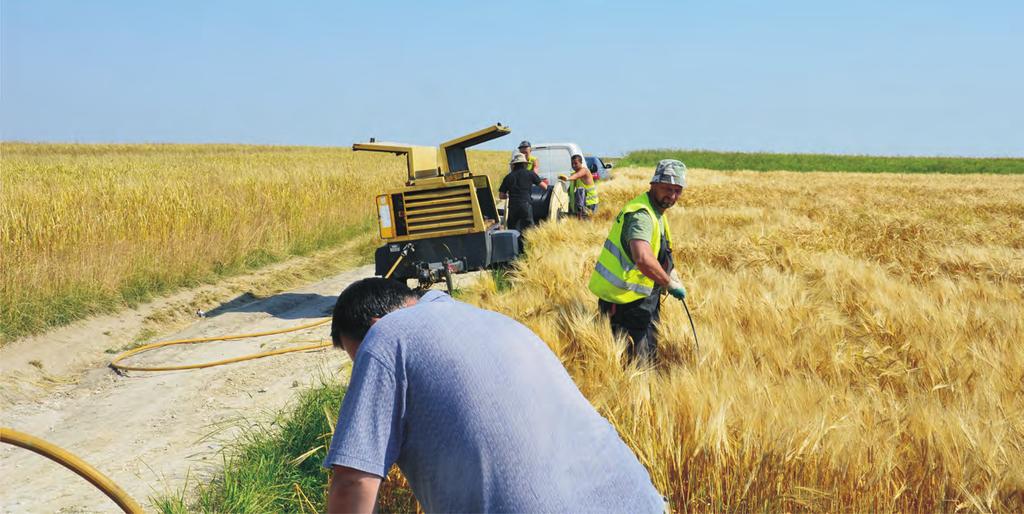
x=647, y=263
x=503, y=188
x=580, y=174
x=368, y=438
x=542, y=182
x=352, y=490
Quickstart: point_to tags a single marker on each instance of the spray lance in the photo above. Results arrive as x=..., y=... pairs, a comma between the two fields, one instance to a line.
x=675, y=283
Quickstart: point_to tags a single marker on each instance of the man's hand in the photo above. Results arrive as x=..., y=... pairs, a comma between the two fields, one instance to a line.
x=676, y=289
x=352, y=490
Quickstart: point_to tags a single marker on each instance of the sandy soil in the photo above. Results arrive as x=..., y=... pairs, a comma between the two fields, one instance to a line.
x=151, y=432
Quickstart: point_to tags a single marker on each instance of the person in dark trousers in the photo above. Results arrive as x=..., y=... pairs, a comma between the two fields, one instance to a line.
x=515, y=188
x=635, y=264
x=474, y=408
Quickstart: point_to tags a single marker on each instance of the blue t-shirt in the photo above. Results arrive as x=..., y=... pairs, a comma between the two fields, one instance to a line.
x=481, y=416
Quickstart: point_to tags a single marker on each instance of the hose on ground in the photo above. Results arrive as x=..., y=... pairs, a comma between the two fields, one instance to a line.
x=116, y=362
x=117, y=366
x=70, y=461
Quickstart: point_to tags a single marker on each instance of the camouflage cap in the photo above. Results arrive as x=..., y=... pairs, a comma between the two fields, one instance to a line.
x=518, y=158
x=670, y=171
x=525, y=144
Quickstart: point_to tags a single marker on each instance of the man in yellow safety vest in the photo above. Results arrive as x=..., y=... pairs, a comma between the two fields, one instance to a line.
x=635, y=264
x=582, y=189
x=526, y=149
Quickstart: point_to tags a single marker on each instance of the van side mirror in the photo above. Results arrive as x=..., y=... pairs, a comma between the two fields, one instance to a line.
x=608, y=165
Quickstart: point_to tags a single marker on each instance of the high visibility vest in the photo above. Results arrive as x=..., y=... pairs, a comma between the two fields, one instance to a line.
x=532, y=163
x=591, y=193
x=616, y=278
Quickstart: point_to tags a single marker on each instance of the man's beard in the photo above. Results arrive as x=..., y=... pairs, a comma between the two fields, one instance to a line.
x=663, y=204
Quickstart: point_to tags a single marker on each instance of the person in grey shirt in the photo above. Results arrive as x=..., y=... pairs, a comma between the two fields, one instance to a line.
x=475, y=409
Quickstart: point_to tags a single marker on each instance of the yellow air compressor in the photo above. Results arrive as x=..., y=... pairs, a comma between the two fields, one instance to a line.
x=444, y=220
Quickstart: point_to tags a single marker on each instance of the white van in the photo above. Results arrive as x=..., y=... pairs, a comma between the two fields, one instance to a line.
x=555, y=159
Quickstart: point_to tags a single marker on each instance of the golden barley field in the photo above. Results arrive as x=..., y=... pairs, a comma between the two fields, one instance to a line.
x=861, y=341
x=90, y=228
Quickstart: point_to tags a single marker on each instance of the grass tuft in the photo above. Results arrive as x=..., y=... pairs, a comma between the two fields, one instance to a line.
x=276, y=467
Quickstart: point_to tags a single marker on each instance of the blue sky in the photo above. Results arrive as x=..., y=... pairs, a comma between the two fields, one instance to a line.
x=899, y=78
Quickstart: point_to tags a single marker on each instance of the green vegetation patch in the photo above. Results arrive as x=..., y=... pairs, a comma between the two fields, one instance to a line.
x=825, y=162
x=276, y=467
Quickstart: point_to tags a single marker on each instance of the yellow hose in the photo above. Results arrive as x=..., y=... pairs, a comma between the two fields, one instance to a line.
x=115, y=363
x=79, y=466
x=152, y=346
x=395, y=265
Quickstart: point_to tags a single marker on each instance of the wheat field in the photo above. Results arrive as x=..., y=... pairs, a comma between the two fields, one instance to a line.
x=860, y=334
x=91, y=228
x=860, y=341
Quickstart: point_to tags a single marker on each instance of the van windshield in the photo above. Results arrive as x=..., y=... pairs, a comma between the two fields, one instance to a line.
x=553, y=161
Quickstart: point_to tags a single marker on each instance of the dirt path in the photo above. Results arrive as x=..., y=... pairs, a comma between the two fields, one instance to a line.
x=150, y=432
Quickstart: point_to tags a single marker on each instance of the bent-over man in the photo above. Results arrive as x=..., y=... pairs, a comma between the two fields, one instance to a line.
x=475, y=409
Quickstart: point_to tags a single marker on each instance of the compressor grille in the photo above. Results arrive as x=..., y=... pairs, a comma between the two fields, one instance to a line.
x=438, y=210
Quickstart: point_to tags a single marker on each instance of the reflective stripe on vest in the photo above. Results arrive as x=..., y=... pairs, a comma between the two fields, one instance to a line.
x=623, y=259
x=616, y=278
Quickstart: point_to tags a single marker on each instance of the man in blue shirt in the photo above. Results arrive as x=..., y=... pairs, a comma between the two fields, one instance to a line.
x=475, y=409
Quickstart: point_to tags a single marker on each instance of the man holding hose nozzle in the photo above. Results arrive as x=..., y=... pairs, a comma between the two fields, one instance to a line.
x=635, y=265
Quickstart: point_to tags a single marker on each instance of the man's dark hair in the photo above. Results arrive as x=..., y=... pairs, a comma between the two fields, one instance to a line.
x=520, y=166
x=364, y=300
